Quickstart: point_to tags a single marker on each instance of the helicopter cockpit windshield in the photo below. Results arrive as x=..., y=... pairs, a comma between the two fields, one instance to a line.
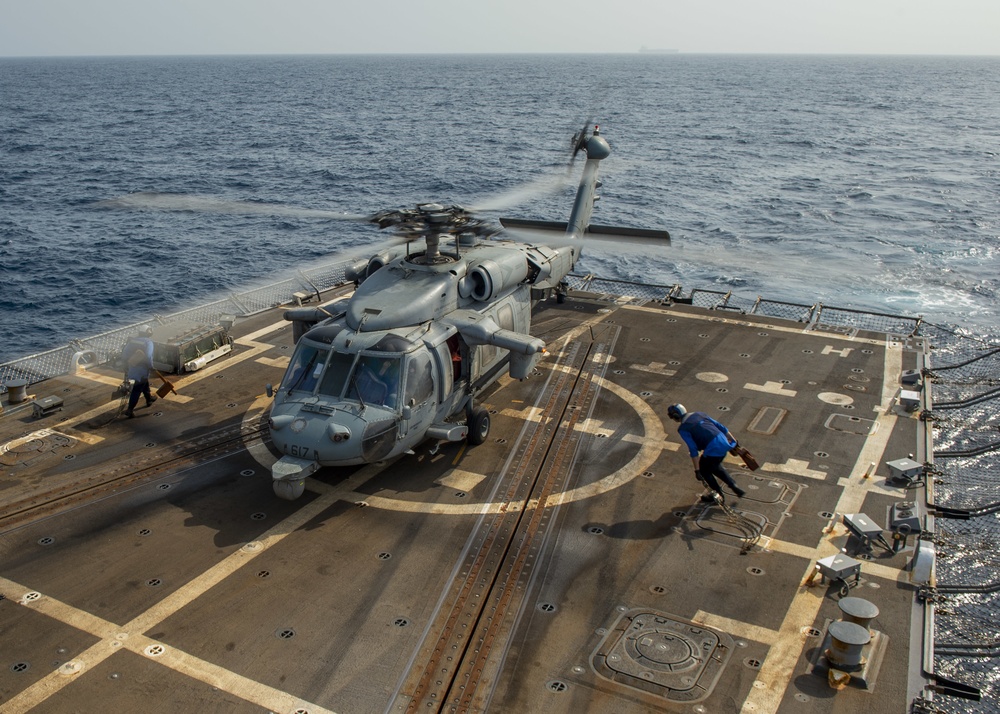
x=373, y=379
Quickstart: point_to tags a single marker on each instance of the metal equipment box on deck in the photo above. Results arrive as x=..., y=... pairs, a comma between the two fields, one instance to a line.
x=187, y=346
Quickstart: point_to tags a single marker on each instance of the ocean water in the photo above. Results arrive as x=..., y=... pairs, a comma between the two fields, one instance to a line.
x=868, y=182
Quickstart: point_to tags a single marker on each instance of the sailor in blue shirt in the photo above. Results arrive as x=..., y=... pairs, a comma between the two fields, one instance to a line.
x=704, y=434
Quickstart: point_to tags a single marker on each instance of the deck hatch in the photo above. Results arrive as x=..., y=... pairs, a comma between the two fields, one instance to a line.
x=665, y=655
x=767, y=420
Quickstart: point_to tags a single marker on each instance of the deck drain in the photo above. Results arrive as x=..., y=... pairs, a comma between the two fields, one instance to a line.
x=807, y=352
x=154, y=582
x=32, y=596
x=494, y=411
x=858, y=370
x=722, y=390
x=762, y=334
x=284, y=633
x=864, y=556
x=680, y=514
x=647, y=474
x=850, y=406
x=752, y=663
x=657, y=589
x=556, y=686
x=645, y=394
x=247, y=472
x=219, y=376
x=263, y=574
x=723, y=409
x=384, y=556
x=820, y=454
x=460, y=494
x=47, y=540
x=825, y=514
x=595, y=530
x=546, y=607
x=150, y=444
x=20, y=667
x=400, y=622
x=501, y=440
x=811, y=632
x=703, y=335
x=673, y=363
x=671, y=319
x=155, y=650
x=258, y=516
x=754, y=570
x=601, y=435
x=744, y=355
x=144, y=531
x=231, y=405
x=619, y=371
x=164, y=486
x=643, y=339
x=802, y=697
x=69, y=457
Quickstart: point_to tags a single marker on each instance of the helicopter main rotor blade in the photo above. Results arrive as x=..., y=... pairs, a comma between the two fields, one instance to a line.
x=544, y=186
x=152, y=201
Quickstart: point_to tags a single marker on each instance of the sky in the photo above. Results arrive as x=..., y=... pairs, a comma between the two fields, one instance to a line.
x=208, y=27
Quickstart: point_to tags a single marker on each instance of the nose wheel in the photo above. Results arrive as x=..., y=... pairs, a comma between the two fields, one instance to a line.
x=289, y=490
x=479, y=426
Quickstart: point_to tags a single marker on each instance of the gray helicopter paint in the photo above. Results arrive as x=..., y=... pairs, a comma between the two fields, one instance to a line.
x=461, y=304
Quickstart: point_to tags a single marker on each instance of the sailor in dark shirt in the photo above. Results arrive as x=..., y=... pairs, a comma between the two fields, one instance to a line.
x=138, y=356
x=704, y=434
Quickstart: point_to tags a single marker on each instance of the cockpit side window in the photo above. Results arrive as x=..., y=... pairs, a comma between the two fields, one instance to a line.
x=419, y=383
x=375, y=380
x=335, y=376
x=304, y=371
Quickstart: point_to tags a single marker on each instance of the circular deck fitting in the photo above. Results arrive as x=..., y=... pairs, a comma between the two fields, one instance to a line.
x=500, y=440
x=400, y=622
x=657, y=589
x=762, y=334
x=858, y=370
x=284, y=633
x=154, y=582
x=821, y=454
x=252, y=547
x=604, y=310
x=722, y=390
x=154, y=650
x=19, y=667
x=31, y=596
x=247, y=472
x=680, y=514
x=144, y=532
x=752, y=663
x=807, y=352
x=259, y=516
x=643, y=339
x=595, y=530
x=744, y=355
x=231, y=405
x=619, y=371
x=647, y=474
x=754, y=570
x=150, y=444
x=849, y=406
x=811, y=632
x=493, y=411
x=219, y=376
x=556, y=686
x=723, y=408
x=645, y=394
x=460, y=494
x=384, y=556
x=47, y=540
x=801, y=697
x=69, y=457
x=262, y=574
x=671, y=319
x=704, y=335
x=546, y=607
x=825, y=514
x=601, y=435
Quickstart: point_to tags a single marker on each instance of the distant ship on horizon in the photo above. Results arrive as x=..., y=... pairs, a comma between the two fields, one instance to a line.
x=657, y=51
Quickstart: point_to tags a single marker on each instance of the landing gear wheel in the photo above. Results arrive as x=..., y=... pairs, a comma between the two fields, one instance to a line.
x=289, y=490
x=479, y=426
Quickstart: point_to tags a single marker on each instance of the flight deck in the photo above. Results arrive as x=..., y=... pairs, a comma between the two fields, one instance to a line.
x=567, y=564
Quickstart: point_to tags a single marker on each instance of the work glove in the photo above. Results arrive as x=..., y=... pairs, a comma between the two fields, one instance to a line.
x=697, y=475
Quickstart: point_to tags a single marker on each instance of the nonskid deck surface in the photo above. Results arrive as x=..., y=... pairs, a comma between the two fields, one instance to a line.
x=567, y=564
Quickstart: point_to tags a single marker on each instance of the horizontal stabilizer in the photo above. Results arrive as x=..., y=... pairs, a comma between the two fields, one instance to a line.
x=594, y=232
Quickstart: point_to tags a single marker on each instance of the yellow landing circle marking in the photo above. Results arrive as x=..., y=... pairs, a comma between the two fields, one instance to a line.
x=653, y=443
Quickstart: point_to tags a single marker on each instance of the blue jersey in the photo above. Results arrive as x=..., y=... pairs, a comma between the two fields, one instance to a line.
x=702, y=433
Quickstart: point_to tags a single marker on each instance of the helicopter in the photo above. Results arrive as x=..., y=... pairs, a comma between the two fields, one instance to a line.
x=434, y=319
